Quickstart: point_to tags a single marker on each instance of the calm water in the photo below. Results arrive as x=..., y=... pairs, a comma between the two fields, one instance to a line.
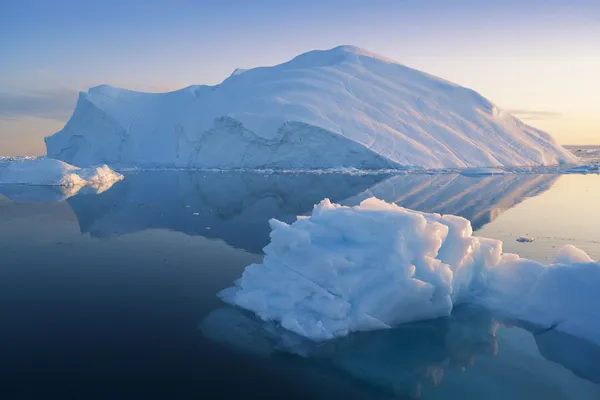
x=112, y=295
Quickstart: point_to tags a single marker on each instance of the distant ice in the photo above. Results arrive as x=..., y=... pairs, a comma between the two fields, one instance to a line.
x=48, y=172
x=525, y=239
x=377, y=265
x=483, y=171
x=592, y=168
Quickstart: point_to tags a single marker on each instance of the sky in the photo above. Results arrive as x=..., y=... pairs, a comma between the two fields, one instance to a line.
x=538, y=59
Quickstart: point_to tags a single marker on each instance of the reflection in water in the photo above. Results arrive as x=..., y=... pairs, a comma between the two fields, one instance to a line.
x=406, y=361
x=478, y=199
x=48, y=194
x=236, y=207
x=400, y=361
x=578, y=355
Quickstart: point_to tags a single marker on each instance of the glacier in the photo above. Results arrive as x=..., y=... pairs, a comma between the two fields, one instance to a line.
x=344, y=107
x=377, y=265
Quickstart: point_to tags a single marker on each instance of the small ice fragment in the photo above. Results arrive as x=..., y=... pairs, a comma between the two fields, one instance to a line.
x=196, y=214
x=525, y=239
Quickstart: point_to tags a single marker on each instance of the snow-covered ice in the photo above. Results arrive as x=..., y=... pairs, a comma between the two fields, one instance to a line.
x=344, y=107
x=563, y=295
x=367, y=267
x=377, y=265
x=48, y=172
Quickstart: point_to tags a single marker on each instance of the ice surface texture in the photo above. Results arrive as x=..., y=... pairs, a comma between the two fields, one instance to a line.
x=377, y=265
x=49, y=172
x=343, y=107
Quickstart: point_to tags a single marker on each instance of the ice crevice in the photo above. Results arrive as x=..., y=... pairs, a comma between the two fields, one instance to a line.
x=377, y=265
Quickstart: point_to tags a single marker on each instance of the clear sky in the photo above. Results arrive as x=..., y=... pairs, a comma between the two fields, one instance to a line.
x=540, y=59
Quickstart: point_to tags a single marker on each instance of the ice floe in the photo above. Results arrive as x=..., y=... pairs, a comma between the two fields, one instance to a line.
x=378, y=265
x=49, y=172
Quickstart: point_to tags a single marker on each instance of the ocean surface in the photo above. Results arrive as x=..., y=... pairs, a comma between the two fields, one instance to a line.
x=113, y=295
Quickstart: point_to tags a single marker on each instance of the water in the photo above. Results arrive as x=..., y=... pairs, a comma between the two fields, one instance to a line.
x=112, y=295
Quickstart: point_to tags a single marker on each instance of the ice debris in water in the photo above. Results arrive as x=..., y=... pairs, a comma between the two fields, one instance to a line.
x=49, y=172
x=377, y=265
x=525, y=239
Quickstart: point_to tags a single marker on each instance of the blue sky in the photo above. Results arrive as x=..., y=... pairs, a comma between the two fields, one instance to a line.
x=539, y=58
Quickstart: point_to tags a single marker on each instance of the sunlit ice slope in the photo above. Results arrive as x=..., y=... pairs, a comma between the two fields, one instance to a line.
x=344, y=107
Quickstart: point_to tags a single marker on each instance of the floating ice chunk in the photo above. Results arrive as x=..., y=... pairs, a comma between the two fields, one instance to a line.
x=562, y=296
x=570, y=254
x=525, y=239
x=378, y=265
x=48, y=172
x=360, y=268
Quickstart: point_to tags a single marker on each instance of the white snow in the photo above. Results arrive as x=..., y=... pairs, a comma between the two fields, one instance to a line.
x=339, y=108
x=48, y=172
x=377, y=265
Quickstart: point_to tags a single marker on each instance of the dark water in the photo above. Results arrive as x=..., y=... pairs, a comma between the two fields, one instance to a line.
x=112, y=295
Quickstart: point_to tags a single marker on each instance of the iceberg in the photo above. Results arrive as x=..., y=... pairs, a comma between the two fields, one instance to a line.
x=361, y=268
x=562, y=296
x=377, y=265
x=340, y=108
x=48, y=172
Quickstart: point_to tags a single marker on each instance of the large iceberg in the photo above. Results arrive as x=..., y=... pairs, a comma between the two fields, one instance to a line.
x=48, y=172
x=344, y=107
x=377, y=265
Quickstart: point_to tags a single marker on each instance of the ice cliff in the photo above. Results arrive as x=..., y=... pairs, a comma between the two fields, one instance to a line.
x=343, y=107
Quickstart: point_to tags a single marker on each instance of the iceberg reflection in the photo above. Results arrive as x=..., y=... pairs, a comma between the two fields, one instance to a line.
x=405, y=361
x=479, y=199
x=236, y=207
x=400, y=361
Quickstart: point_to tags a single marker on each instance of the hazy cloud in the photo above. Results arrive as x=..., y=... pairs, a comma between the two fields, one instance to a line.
x=54, y=104
x=535, y=114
